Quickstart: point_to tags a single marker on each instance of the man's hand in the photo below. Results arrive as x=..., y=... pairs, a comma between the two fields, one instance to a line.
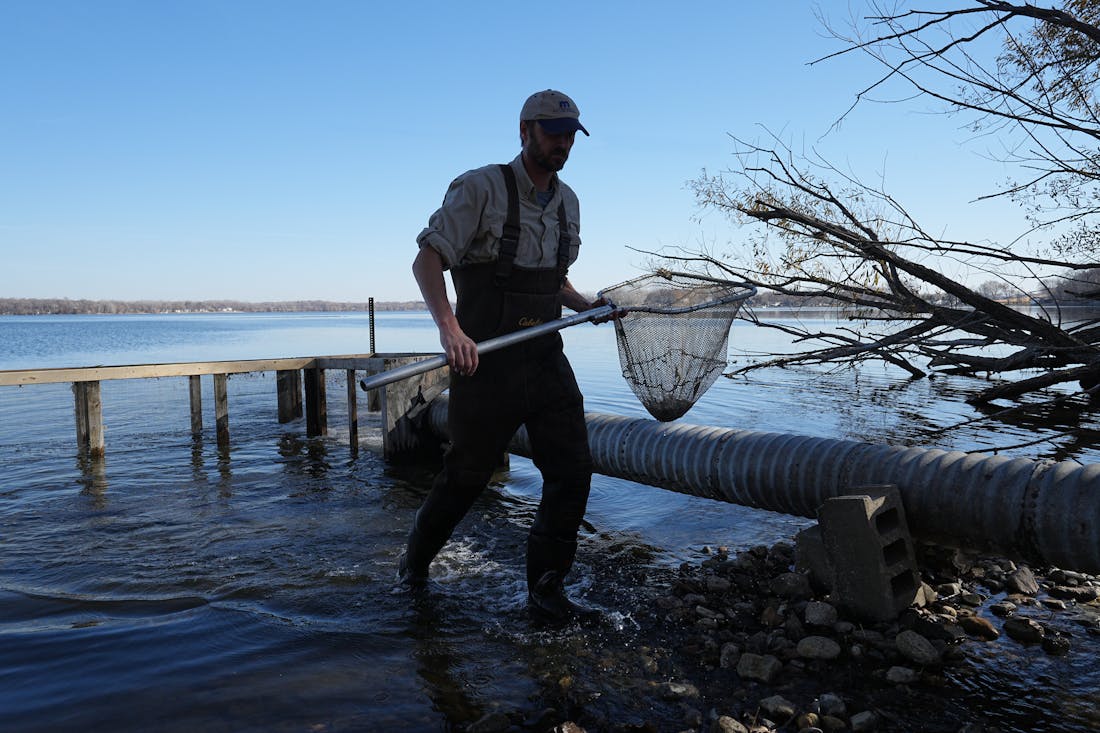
x=460, y=349
x=612, y=316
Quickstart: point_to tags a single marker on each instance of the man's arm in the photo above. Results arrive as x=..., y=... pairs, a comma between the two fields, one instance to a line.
x=573, y=300
x=460, y=349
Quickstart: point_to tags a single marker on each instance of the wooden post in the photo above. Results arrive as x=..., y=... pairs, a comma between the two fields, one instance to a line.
x=221, y=409
x=316, y=409
x=89, y=418
x=289, y=386
x=353, y=414
x=196, y=404
x=80, y=398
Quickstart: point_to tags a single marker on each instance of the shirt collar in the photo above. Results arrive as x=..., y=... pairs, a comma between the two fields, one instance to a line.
x=525, y=185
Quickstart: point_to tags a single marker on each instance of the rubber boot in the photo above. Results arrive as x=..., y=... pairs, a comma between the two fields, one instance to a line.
x=548, y=562
x=423, y=546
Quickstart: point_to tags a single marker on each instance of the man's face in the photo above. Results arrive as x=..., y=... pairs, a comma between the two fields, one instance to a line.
x=547, y=151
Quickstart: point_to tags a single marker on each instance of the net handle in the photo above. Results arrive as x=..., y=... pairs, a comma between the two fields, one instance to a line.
x=440, y=360
x=746, y=292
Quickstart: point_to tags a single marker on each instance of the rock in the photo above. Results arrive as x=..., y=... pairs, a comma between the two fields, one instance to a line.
x=1077, y=594
x=1022, y=581
x=1024, y=630
x=717, y=584
x=791, y=585
x=820, y=614
x=869, y=636
x=833, y=705
x=1088, y=618
x=727, y=658
x=1056, y=645
x=726, y=724
x=902, y=675
x=949, y=589
x=1054, y=604
x=950, y=612
x=779, y=707
x=916, y=648
x=771, y=617
x=678, y=690
x=757, y=643
x=1003, y=608
x=807, y=721
x=495, y=722
x=763, y=668
x=833, y=723
x=970, y=599
x=818, y=647
x=794, y=628
x=979, y=627
x=705, y=612
x=867, y=720
x=569, y=727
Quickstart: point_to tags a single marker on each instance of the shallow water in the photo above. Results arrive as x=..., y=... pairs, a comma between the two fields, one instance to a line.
x=178, y=587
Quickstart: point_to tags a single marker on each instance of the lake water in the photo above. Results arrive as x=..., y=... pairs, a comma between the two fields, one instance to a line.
x=178, y=587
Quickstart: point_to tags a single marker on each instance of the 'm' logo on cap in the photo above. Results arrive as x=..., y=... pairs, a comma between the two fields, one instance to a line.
x=563, y=104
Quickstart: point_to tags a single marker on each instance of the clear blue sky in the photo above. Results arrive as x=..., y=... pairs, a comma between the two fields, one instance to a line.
x=293, y=150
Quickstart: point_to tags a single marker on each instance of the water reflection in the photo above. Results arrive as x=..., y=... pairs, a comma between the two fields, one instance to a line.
x=93, y=477
x=438, y=661
x=304, y=456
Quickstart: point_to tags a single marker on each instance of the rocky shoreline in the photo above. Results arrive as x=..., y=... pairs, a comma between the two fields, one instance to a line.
x=745, y=644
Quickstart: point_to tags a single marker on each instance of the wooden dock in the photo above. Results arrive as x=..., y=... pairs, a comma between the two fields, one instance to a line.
x=396, y=402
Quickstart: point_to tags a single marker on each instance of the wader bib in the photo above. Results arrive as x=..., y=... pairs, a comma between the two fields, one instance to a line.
x=495, y=298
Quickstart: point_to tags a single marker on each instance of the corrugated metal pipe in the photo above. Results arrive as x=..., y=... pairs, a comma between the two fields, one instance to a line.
x=1042, y=511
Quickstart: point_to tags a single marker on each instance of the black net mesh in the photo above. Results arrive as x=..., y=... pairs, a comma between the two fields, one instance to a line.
x=674, y=336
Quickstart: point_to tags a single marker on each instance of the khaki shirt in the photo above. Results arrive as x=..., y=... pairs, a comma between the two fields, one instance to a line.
x=467, y=228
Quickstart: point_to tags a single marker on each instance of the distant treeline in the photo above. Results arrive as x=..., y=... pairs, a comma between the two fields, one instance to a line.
x=65, y=306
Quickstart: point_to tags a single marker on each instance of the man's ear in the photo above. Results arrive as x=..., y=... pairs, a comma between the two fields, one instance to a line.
x=523, y=132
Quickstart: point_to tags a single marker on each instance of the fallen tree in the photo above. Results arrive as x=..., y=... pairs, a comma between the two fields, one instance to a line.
x=820, y=235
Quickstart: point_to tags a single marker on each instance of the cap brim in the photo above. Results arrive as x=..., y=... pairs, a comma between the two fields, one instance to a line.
x=562, y=125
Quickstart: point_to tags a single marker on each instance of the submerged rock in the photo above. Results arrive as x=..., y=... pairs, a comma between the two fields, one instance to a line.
x=1024, y=629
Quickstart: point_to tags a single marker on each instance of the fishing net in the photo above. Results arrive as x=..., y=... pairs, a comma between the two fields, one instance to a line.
x=673, y=336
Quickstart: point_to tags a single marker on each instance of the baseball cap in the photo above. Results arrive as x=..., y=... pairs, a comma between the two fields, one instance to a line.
x=554, y=111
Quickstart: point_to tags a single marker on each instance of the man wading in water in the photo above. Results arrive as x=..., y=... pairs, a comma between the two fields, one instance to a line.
x=508, y=234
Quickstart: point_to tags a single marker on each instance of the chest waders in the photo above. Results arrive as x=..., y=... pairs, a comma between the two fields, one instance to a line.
x=529, y=384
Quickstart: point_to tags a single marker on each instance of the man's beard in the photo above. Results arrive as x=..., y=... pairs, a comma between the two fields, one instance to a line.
x=546, y=161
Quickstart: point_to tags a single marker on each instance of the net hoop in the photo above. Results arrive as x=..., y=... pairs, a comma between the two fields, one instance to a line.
x=738, y=292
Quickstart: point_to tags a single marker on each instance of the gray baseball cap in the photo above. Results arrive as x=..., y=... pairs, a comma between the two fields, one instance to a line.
x=555, y=112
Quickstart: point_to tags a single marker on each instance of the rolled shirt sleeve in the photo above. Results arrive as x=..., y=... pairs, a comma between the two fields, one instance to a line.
x=460, y=221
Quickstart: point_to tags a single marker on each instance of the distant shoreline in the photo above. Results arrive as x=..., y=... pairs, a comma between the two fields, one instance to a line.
x=70, y=307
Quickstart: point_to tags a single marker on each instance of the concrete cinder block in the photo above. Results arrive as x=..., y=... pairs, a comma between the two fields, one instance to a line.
x=809, y=558
x=869, y=552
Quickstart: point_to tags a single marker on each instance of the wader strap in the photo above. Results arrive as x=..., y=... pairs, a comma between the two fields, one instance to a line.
x=509, y=241
x=563, y=243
